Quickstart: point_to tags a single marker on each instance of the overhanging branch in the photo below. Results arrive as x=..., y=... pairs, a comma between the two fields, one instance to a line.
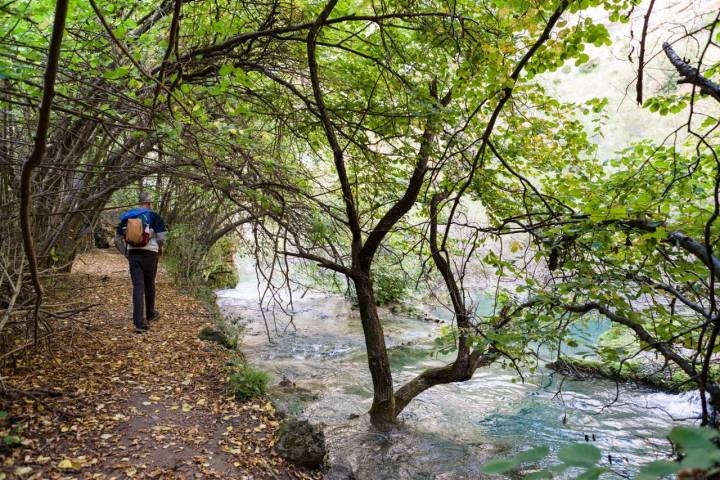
x=691, y=74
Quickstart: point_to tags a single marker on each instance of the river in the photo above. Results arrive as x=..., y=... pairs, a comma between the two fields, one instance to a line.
x=450, y=431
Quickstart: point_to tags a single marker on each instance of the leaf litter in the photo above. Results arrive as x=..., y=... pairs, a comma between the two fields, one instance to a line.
x=102, y=402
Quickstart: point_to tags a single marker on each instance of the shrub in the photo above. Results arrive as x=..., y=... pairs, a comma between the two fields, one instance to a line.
x=183, y=256
x=247, y=382
x=219, y=269
x=391, y=285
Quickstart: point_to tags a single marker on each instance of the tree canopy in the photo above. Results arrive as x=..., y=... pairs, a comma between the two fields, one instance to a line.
x=416, y=139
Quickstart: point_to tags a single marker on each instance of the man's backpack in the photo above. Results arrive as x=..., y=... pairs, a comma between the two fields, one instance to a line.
x=137, y=232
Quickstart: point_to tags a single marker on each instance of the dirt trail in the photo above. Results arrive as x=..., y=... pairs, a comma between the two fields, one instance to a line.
x=105, y=402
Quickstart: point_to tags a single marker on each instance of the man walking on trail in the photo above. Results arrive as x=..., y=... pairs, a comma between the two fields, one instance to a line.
x=141, y=236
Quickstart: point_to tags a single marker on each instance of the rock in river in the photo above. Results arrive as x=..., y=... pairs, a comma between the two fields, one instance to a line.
x=301, y=443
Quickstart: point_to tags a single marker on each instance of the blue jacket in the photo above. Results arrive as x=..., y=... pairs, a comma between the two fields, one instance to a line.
x=153, y=220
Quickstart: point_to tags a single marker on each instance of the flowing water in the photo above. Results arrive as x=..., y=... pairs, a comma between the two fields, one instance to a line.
x=449, y=431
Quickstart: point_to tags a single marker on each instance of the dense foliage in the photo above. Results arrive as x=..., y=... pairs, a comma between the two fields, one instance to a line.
x=390, y=144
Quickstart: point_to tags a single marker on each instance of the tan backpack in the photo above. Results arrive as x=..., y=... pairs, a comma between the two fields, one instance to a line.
x=137, y=232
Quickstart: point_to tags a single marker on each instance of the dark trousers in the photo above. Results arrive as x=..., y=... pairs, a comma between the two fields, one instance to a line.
x=143, y=267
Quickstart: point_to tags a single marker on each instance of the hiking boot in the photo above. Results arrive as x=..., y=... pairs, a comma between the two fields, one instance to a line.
x=155, y=316
x=142, y=328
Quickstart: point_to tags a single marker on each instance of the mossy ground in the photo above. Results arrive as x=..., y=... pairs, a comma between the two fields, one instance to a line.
x=630, y=371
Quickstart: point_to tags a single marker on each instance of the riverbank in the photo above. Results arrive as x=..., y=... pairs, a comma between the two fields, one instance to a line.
x=105, y=402
x=450, y=431
x=641, y=374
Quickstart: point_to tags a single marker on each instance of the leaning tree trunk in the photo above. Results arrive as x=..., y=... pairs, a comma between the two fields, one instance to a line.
x=467, y=360
x=386, y=405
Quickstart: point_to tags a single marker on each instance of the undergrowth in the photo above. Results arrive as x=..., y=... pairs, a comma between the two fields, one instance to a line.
x=190, y=261
x=246, y=381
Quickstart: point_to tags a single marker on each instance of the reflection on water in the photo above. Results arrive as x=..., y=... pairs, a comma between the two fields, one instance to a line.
x=450, y=430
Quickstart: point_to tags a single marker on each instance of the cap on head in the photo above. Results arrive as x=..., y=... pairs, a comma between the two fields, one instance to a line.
x=144, y=197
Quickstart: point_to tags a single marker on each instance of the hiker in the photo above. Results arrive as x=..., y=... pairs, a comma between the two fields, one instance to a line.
x=140, y=237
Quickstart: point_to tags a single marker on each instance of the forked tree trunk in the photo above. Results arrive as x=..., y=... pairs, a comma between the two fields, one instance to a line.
x=386, y=405
x=467, y=361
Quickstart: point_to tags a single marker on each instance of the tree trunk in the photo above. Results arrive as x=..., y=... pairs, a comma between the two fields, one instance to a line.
x=713, y=391
x=383, y=406
x=38, y=152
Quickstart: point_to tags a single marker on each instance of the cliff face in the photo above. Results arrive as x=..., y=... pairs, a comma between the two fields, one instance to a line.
x=104, y=230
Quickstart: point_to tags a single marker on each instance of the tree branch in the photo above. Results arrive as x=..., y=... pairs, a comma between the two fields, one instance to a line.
x=406, y=202
x=641, y=56
x=39, y=147
x=697, y=249
x=323, y=262
x=338, y=156
x=691, y=74
x=639, y=330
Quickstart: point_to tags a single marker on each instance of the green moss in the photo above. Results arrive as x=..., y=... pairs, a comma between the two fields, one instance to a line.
x=223, y=279
x=220, y=336
x=616, y=343
x=190, y=262
x=617, y=337
x=219, y=264
x=631, y=371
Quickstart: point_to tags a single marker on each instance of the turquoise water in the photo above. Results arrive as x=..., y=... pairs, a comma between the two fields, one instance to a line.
x=449, y=431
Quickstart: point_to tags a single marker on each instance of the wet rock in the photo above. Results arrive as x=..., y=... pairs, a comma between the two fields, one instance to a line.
x=301, y=443
x=340, y=472
x=286, y=383
x=290, y=399
x=210, y=334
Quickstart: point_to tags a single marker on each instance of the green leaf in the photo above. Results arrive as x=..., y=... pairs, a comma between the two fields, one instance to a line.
x=657, y=469
x=226, y=70
x=591, y=474
x=582, y=58
x=3, y=414
x=693, y=438
x=618, y=212
x=699, y=459
x=580, y=455
x=500, y=466
x=533, y=455
x=117, y=73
